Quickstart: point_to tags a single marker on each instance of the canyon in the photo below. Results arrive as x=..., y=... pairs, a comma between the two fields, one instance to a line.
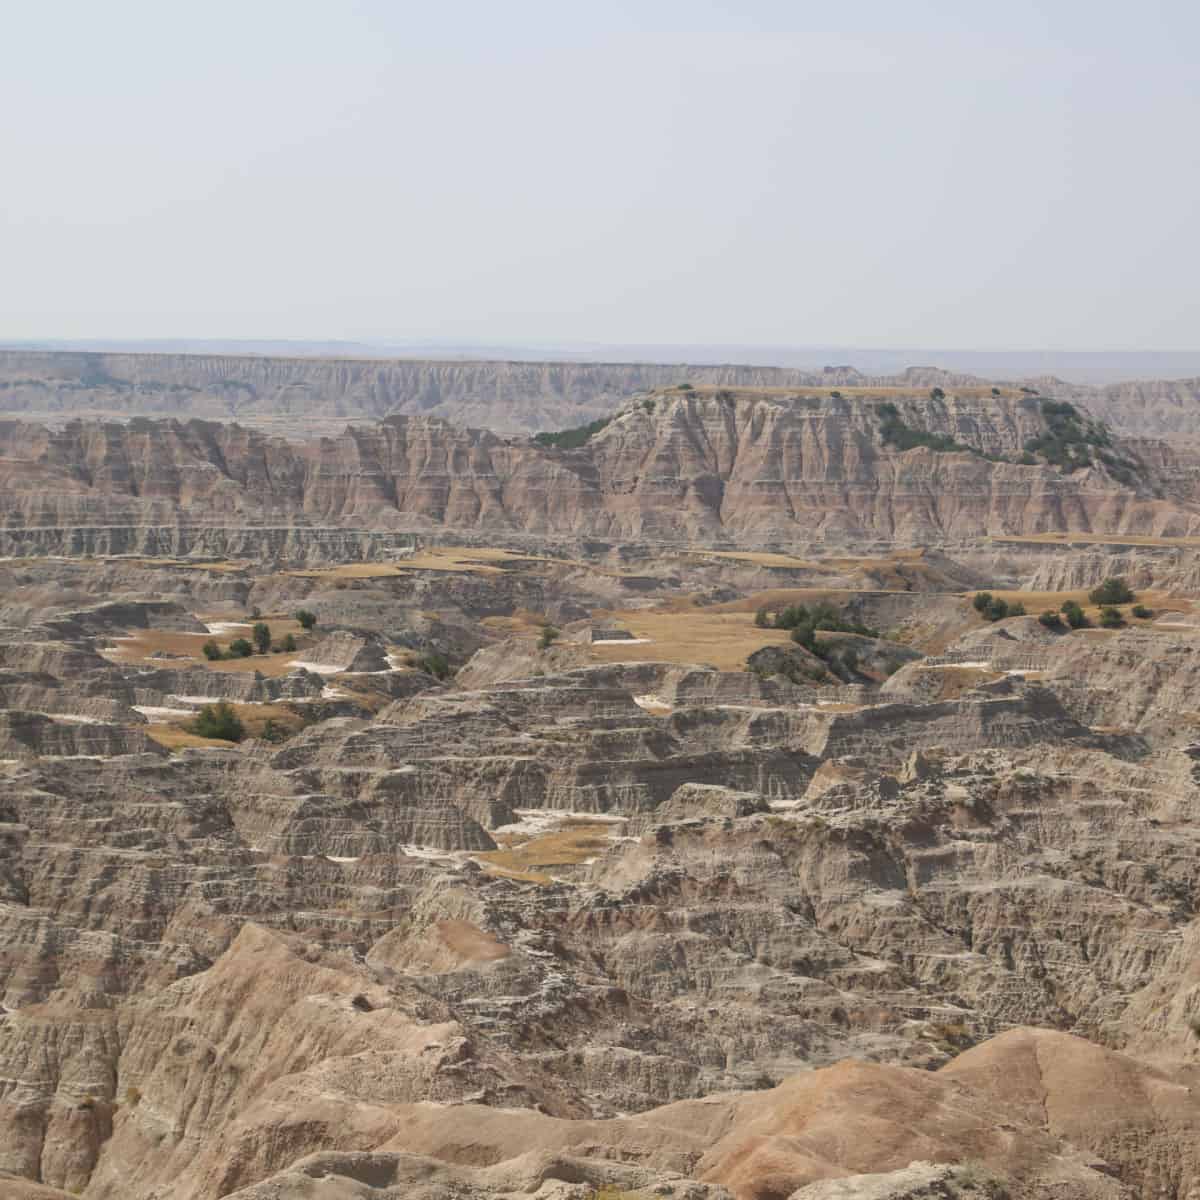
x=718, y=804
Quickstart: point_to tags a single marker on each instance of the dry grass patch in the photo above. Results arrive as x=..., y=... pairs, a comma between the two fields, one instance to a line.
x=683, y=633
x=139, y=644
x=175, y=737
x=566, y=847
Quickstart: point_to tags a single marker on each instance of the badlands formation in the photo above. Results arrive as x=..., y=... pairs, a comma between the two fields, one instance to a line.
x=418, y=812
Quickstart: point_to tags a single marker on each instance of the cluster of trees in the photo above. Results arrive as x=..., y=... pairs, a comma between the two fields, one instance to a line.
x=805, y=623
x=219, y=721
x=994, y=608
x=262, y=641
x=1111, y=593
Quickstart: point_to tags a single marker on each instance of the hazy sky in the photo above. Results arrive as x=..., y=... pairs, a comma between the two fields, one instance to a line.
x=952, y=174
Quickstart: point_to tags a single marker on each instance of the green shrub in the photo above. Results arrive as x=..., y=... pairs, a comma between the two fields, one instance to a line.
x=1112, y=591
x=548, y=638
x=1051, y=620
x=1076, y=617
x=288, y=645
x=211, y=650
x=240, y=648
x=1142, y=612
x=1110, y=617
x=262, y=637
x=219, y=721
x=997, y=610
x=434, y=663
x=307, y=619
x=762, y=619
x=982, y=601
x=1016, y=609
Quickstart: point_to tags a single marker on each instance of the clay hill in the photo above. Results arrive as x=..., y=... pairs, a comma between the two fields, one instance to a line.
x=508, y=397
x=715, y=467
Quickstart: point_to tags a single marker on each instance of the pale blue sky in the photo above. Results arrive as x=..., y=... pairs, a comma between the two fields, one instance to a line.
x=955, y=174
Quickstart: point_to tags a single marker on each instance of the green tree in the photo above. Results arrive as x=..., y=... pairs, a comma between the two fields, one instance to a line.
x=219, y=721
x=434, y=663
x=1016, y=610
x=262, y=637
x=307, y=619
x=240, y=648
x=762, y=619
x=1051, y=620
x=936, y=394
x=982, y=601
x=288, y=645
x=548, y=638
x=211, y=650
x=1112, y=591
x=1110, y=617
x=1076, y=617
x=1142, y=612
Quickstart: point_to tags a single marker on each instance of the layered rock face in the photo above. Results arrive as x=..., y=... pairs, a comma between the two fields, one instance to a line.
x=715, y=468
x=509, y=397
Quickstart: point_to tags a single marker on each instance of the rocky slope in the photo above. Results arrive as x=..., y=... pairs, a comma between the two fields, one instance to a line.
x=684, y=467
x=561, y=927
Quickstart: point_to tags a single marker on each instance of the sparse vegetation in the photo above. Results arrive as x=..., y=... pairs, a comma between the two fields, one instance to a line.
x=1110, y=617
x=1142, y=612
x=262, y=637
x=900, y=436
x=307, y=619
x=240, y=648
x=288, y=645
x=211, y=650
x=936, y=394
x=548, y=637
x=572, y=439
x=1072, y=441
x=1112, y=591
x=219, y=721
x=1051, y=620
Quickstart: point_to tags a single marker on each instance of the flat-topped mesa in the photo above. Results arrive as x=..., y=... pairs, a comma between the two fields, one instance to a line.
x=680, y=466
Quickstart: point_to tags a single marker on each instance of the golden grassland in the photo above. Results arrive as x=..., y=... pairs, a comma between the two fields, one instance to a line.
x=142, y=643
x=524, y=858
x=254, y=717
x=684, y=633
